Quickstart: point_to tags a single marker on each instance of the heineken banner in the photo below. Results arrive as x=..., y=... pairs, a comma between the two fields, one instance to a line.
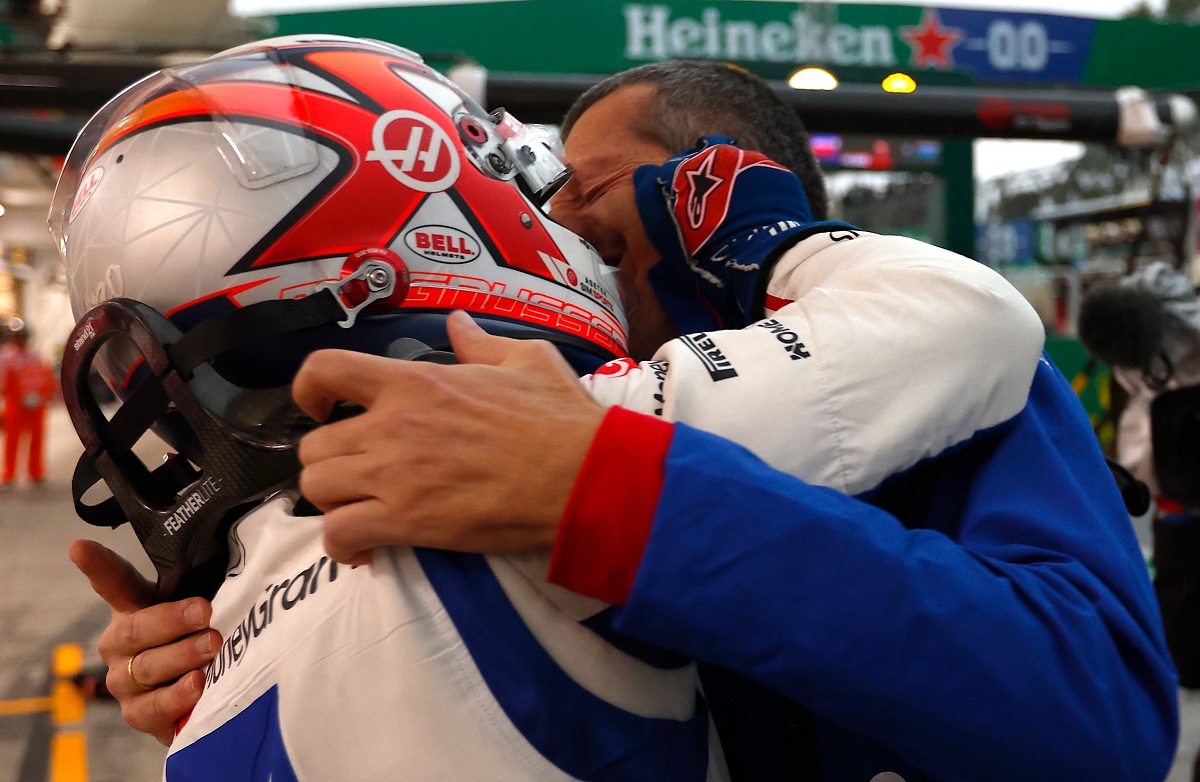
x=858, y=41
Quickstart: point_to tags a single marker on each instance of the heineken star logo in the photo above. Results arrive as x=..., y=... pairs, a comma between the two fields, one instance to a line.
x=932, y=45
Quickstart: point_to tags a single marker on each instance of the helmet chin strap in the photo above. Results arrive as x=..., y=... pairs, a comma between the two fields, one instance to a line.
x=242, y=442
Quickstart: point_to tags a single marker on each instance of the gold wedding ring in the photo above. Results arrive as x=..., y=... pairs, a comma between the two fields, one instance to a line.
x=134, y=679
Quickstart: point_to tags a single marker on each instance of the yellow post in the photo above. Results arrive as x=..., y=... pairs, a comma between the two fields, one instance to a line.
x=68, y=747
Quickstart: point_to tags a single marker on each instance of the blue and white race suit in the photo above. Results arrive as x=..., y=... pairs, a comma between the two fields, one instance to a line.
x=425, y=665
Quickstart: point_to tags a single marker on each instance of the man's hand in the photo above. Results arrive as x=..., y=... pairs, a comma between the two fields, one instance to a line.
x=716, y=214
x=479, y=456
x=166, y=643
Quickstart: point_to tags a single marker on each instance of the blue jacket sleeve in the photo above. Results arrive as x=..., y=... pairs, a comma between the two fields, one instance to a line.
x=986, y=615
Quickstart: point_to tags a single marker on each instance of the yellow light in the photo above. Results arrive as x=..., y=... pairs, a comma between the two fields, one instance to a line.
x=813, y=79
x=899, y=82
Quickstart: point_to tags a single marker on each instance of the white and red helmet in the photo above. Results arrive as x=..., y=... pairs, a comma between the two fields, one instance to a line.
x=274, y=169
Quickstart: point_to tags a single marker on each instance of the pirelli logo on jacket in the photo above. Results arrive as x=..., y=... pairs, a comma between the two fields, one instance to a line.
x=719, y=367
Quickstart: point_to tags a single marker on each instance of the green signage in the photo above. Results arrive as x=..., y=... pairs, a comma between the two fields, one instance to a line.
x=659, y=32
x=859, y=42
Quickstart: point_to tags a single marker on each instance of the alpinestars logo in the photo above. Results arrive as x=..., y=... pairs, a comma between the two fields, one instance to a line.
x=701, y=183
x=704, y=185
x=718, y=366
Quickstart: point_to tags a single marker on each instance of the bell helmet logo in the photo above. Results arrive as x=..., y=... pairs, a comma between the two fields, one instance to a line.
x=415, y=150
x=442, y=243
x=87, y=189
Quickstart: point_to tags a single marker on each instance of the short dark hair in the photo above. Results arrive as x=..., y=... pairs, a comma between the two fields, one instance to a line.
x=704, y=97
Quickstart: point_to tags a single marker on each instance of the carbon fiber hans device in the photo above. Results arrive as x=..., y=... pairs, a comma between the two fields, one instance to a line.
x=242, y=447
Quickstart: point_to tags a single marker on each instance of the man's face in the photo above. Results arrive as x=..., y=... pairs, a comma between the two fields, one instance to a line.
x=598, y=203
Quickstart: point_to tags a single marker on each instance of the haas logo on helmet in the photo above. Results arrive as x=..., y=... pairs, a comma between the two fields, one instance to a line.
x=415, y=150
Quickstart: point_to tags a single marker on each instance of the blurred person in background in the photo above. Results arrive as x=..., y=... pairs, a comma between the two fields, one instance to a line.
x=28, y=384
x=1146, y=327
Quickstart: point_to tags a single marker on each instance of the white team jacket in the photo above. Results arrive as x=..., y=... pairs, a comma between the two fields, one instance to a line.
x=876, y=352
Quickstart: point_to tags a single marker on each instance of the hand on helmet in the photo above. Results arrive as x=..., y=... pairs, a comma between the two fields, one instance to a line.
x=450, y=457
x=716, y=214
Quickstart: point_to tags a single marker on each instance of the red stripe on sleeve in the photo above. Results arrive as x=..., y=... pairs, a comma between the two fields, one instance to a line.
x=606, y=524
x=775, y=303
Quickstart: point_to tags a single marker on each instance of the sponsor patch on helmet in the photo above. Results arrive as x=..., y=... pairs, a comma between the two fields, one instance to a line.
x=415, y=150
x=442, y=243
x=87, y=188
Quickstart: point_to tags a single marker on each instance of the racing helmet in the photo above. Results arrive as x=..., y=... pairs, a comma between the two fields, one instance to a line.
x=279, y=168
x=222, y=220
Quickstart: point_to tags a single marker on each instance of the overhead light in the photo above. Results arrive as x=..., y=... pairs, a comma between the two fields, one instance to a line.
x=813, y=79
x=899, y=82
x=2, y=210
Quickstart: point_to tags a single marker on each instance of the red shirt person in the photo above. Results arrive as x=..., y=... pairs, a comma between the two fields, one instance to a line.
x=28, y=384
